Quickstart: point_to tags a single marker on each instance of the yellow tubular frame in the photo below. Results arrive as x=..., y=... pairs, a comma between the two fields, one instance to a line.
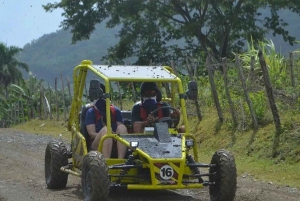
x=79, y=148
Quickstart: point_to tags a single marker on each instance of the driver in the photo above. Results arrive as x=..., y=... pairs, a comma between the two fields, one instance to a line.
x=150, y=100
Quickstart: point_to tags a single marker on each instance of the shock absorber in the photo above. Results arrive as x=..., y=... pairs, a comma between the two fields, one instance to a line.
x=125, y=170
x=195, y=170
x=190, y=160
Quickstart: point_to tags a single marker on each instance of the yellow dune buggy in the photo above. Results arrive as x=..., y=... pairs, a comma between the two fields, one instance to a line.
x=159, y=158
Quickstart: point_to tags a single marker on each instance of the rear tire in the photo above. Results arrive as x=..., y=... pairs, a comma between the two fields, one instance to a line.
x=95, y=181
x=56, y=156
x=225, y=178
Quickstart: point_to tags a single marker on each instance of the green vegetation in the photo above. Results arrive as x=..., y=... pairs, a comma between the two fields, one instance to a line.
x=45, y=127
x=9, y=67
x=30, y=99
x=150, y=30
x=253, y=151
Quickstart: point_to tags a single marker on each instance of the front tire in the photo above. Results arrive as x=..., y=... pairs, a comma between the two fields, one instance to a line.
x=225, y=178
x=56, y=156
x=95, y=181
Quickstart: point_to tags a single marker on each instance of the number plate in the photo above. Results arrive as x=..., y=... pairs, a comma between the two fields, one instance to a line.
x=166, y=172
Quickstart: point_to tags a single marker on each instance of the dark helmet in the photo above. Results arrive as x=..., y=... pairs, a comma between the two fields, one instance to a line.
x=151, y=86
x=96, y=90
x=148, y=86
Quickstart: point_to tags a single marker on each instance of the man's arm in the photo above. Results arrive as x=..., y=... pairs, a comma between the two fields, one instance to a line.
x=90, y=123
x=91, y=129
x=137, y=124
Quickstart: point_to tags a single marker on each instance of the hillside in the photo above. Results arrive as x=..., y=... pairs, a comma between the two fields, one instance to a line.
x=53, y=54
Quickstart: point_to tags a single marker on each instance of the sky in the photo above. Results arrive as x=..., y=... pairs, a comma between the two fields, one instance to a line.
x=22, y=21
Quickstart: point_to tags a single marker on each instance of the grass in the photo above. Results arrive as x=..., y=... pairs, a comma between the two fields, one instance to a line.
x=45, y=127
x=252, y=151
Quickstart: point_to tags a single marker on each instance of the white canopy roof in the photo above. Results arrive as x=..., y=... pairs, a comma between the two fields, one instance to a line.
x=134, y=72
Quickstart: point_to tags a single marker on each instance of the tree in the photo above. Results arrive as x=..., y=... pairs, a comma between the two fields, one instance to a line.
x=9, y=73
x=152, y=29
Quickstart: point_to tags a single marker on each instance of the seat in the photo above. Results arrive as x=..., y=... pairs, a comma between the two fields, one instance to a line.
x=127, y=120
x=86, y=135
x=82, y=125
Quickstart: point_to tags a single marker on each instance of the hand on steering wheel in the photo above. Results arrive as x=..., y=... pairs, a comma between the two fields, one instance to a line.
x=172, y=120
x=151, y=119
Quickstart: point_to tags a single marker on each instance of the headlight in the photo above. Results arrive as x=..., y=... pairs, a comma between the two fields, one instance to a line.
x=189, y=143
x=134, y=144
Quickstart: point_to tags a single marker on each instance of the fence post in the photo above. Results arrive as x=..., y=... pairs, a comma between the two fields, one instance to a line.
x=69, y=88
x=231, y=105
x=193, y=77
x=292, y=69
x=214, y=89
x=120, y=95
x=22, y=111
x=41, y=102
x=269, y=91
x=242, y=78
x=63, y=97
x=133, y=92
x=56, y=100
x=271, y=99
x=50, y=100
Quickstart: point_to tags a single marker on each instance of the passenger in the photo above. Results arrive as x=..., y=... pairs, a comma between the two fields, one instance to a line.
x=95, y=122
x=150, y=100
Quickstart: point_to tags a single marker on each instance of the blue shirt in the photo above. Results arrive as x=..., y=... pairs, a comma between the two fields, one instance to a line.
x=90, y=118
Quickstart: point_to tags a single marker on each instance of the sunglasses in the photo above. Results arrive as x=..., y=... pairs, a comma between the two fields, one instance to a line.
x=149, y=93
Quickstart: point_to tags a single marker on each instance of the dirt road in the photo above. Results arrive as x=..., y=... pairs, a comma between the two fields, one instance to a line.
x=22, y=178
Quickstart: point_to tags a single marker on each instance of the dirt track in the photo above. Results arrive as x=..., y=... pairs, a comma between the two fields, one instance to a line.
x=22, y=178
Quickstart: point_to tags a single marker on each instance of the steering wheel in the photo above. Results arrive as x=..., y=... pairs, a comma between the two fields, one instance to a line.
x=172, y=121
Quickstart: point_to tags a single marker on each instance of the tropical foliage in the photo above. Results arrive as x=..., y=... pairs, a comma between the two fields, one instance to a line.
x=31, y=99
x=151, y=29
x=20, y=99
x=9, y=66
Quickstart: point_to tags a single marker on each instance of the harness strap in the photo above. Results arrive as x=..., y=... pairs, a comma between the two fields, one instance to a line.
x=144, y=115
x=99, y=115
